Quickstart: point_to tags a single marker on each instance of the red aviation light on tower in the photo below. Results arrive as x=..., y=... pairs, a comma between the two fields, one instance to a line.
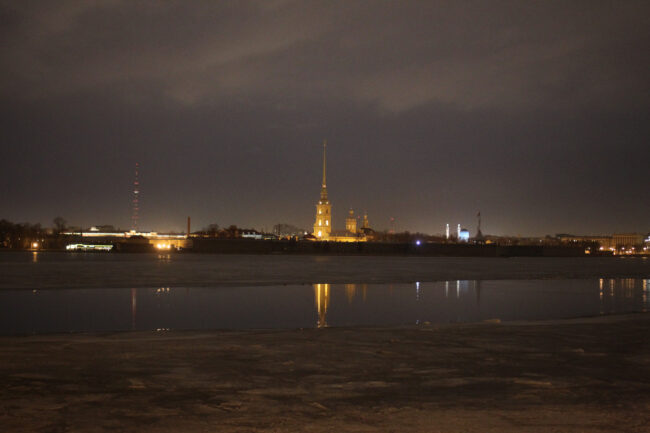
x=136, y=201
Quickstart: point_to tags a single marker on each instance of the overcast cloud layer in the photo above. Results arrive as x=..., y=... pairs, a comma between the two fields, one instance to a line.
x=534, y=113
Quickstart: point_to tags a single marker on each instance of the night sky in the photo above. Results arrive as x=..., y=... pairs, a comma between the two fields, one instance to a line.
x=536, y=113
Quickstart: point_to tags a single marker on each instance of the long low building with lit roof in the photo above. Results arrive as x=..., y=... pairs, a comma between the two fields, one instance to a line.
x=161, y=241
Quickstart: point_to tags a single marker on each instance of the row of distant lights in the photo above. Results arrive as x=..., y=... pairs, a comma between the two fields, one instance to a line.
x=84, y=247
x=162, y=246
x=631, y=250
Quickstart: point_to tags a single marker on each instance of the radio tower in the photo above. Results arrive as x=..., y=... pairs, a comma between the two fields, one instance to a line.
x=136, y=204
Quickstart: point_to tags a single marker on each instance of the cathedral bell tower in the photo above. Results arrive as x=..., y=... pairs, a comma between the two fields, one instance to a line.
x=323, y=224
x=351, y=223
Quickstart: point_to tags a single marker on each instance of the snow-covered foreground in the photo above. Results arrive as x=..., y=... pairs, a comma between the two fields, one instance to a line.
x=580, y=375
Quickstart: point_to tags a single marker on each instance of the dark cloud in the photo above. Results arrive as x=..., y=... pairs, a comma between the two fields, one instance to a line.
x=534, y=112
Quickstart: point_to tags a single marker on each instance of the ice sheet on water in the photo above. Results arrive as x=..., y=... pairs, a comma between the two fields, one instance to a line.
x=26, y=270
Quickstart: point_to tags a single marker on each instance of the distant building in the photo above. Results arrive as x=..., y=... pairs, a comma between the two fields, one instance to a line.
x=627, y=240
x=323, y=226
x=366, y=224
x=252, y=235
x=619, y=243
x=605, y=242
x=284, y=230
x=351, y=223
x=163, y=241
x=323, y=230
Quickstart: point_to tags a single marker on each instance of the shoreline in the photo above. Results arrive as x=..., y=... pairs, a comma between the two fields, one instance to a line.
x=200, y=245
x=573, y=375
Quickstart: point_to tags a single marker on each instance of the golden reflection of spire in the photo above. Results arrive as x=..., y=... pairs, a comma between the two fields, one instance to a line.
x=133, y=308
x=364, y=291
x=626, y=287
x=322, y=299
x=351, y=292
x=601, y=286
x=631, y=285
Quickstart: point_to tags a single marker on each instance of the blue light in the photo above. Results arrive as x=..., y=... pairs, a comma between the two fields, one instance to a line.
x=417, y=242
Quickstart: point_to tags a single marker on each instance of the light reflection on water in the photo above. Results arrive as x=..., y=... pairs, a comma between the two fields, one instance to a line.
x=318, y=305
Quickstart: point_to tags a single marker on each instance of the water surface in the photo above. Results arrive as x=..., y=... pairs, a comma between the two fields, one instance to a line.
x=315, y=305
x=42, y=270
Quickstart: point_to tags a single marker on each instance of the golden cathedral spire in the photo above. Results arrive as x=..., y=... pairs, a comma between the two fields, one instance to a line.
x=323, y=191
x=323, y=223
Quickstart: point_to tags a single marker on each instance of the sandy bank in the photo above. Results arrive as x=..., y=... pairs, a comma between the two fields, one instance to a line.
x=566, y=376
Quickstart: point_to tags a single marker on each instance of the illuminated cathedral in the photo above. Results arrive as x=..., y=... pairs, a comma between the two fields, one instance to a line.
x=323, y=225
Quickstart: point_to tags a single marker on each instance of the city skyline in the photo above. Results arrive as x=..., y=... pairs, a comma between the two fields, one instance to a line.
x=534, y=114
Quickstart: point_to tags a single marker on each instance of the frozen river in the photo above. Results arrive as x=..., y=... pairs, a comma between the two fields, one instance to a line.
x=315, y=305
x=51, y=270
x=61, y=292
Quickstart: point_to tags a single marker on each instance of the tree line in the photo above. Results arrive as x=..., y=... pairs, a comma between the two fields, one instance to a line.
x=26, y=235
